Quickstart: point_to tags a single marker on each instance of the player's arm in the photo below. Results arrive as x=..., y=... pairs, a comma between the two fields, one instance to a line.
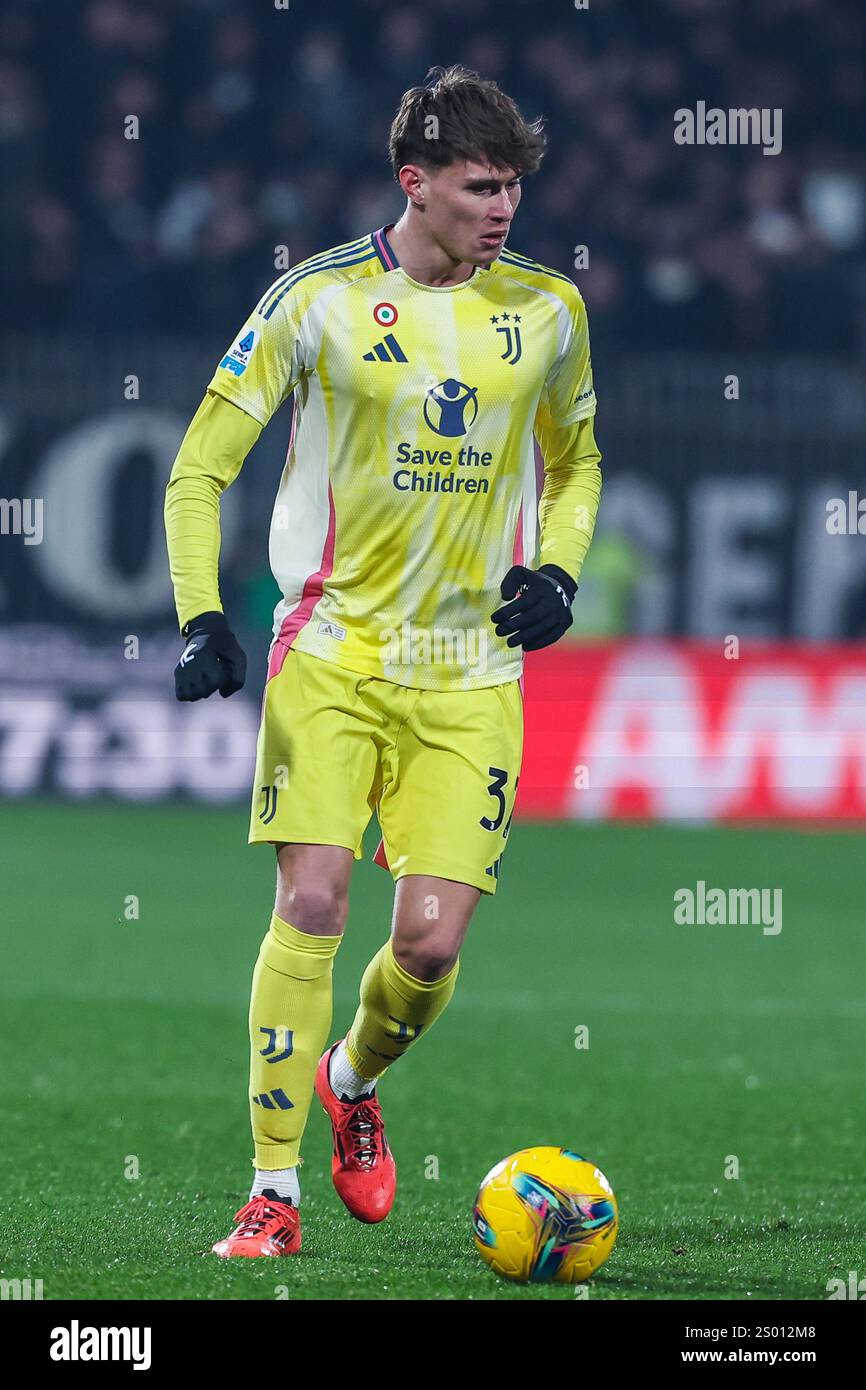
x=540, y=610
x=253, y=378
x=211, y=455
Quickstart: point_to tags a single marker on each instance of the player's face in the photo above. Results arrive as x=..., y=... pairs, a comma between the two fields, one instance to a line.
x=469, y=209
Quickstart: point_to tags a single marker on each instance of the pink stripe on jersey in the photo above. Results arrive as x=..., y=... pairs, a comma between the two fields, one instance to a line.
x=382, y=246
x=313, y=587
x=517, y=559
x=517, y=552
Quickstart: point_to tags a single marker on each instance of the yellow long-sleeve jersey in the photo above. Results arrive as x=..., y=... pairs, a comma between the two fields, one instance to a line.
x=409, y=487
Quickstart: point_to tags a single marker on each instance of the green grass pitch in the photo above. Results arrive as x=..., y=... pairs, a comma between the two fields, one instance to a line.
x=126, y=1040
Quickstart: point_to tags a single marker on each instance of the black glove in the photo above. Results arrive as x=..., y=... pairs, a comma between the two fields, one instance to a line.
x=541, y=609
x=211, y=660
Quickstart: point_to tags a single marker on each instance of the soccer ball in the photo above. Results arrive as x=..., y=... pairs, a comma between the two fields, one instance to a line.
x=545, y=1214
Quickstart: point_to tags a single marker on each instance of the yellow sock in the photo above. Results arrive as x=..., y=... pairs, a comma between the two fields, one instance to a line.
x=290, y=1019
x=395, y=1009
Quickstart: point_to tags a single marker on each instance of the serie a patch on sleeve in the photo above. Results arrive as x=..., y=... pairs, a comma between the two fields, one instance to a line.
x=237, y=358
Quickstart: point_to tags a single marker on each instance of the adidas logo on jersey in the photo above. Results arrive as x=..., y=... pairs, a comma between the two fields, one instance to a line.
x=387, y=351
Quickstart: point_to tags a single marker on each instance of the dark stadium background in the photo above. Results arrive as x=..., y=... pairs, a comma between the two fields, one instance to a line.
x=705, y=720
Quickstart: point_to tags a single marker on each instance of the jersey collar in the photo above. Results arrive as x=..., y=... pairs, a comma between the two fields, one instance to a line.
x=385, y=252
x=383, y=249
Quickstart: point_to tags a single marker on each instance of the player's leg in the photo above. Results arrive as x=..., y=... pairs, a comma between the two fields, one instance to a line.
x=409, y=982
x=289, y=1022
x=315, y=766
x=445, y=813
x=291, y=1005
x=445, y=817
x=405, y=988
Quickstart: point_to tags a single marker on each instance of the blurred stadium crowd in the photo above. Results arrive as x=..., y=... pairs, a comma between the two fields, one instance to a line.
x=262, y=126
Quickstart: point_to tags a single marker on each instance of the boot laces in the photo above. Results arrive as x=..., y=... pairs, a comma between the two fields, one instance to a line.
x=255, y=1216
x=363, y=1126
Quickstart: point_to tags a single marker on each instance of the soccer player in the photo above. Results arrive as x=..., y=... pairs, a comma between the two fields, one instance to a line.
x=422, y=357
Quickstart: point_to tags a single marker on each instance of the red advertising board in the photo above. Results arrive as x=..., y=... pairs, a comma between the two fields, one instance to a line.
x=695, y=731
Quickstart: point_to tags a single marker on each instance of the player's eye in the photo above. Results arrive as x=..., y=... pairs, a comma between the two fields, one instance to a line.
x=490, y=188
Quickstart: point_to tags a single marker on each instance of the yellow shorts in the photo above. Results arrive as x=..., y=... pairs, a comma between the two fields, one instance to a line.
x=440, y=768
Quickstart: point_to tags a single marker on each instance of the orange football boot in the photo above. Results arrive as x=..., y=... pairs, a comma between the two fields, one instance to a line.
x=362, y=1167
x=265, y=1227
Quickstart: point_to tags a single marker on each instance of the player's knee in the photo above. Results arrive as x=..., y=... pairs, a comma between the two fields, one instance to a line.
x=318, y=908
x=426, y=960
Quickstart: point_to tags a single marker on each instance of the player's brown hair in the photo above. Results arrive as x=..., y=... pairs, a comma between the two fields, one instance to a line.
x=475, y=120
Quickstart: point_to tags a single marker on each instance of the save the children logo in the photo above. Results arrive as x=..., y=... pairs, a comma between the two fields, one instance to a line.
x=451, y=407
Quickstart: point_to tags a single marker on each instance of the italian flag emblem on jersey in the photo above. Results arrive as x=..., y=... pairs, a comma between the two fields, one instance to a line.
x=385, y=315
